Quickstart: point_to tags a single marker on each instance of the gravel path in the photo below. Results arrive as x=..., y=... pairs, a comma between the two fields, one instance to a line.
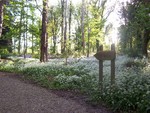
x=17, y=96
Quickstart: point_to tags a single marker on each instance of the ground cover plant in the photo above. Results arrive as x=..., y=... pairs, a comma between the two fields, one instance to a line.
x=131, y=93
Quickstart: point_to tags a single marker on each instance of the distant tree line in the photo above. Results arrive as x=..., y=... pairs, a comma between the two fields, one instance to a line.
x=135, y=32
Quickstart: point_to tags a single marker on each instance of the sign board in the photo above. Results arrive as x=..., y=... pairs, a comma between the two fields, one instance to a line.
x=105, y=55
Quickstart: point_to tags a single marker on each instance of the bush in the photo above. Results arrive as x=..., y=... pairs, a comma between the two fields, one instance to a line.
x=138, y=62
x=134, y=53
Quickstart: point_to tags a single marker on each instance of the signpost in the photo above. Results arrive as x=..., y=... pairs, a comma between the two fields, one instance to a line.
x=106, y=55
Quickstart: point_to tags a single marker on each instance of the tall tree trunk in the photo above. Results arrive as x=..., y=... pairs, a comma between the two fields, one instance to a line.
x=1, y=15
x=26, y=26
x=54, y=37
x=88, y=49
x=131, y=41
x=97, y=45
x=54, y=42
x=24, y=36
x=32, y=36
x=32, y=45
x=62, y=25
x=54, y=30
x=43, y=53
x=65, y=30
x=20, y=28
x=46, y=48
x=55, y=33
x=26, y=31
x=70, y=18
x=82, y=26
x=145, y=43
x=24, y=39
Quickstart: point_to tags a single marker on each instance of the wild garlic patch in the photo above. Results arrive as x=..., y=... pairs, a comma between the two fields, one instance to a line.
x=131, y=91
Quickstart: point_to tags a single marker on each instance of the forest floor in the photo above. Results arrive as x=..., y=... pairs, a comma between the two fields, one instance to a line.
x=21, y=96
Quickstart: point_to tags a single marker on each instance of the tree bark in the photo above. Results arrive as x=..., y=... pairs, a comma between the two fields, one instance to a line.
x=1, y=15
x=88, y=43
x=62, y=25
x=70, y=18
x=43, y=54
x=82, y=26
x=46, y=48
x=65, y=30
x=32, y=38
x=26, y=28
x=145, y=43
x=20, y=29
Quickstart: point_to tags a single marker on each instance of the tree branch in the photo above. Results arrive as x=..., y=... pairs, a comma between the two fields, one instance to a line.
x=38, y=7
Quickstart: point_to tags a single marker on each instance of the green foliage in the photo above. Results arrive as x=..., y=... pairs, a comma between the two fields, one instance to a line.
x=4, y=53
x=6, y=66
x=130, y=93
x=18, y=21
x=134, y=34
x=137, y=62
x=134, y=53
x=65, y=77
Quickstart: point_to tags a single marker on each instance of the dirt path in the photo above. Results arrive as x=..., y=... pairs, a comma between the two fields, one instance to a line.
x=17, y=96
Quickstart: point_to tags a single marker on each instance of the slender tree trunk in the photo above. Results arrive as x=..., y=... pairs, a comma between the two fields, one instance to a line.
x=14, y=42
x=82, y=26
x=88, y=49
x=97, y=45
x=54, y=38
x=55, y=33
x=131, y=40
x=62, y=25
x=46, y=48
x=43, y=53
x=70, y=18
x=1, y=15
x=20, y=29
x=24, y=36
x=24, y=39
x=54, y=30
x=145, y=42
x=32, y=45
x=65, y=30
x=26, y=48
x=32, y=36
x=54, y=41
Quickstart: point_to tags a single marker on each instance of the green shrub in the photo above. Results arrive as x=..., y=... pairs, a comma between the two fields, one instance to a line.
x=141, y=63
x=131, y=93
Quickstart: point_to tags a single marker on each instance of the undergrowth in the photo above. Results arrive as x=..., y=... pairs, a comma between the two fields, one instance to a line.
x=131, y=92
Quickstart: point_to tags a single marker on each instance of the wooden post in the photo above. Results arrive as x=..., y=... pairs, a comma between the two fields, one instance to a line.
x=101, y=70
x=106, y=55
x=113, y=66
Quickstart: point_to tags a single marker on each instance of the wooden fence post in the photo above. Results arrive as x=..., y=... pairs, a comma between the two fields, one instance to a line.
x=101, y=70
x=113, y=66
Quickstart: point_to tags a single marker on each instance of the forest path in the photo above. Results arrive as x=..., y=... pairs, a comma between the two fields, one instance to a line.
x=17, y=96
